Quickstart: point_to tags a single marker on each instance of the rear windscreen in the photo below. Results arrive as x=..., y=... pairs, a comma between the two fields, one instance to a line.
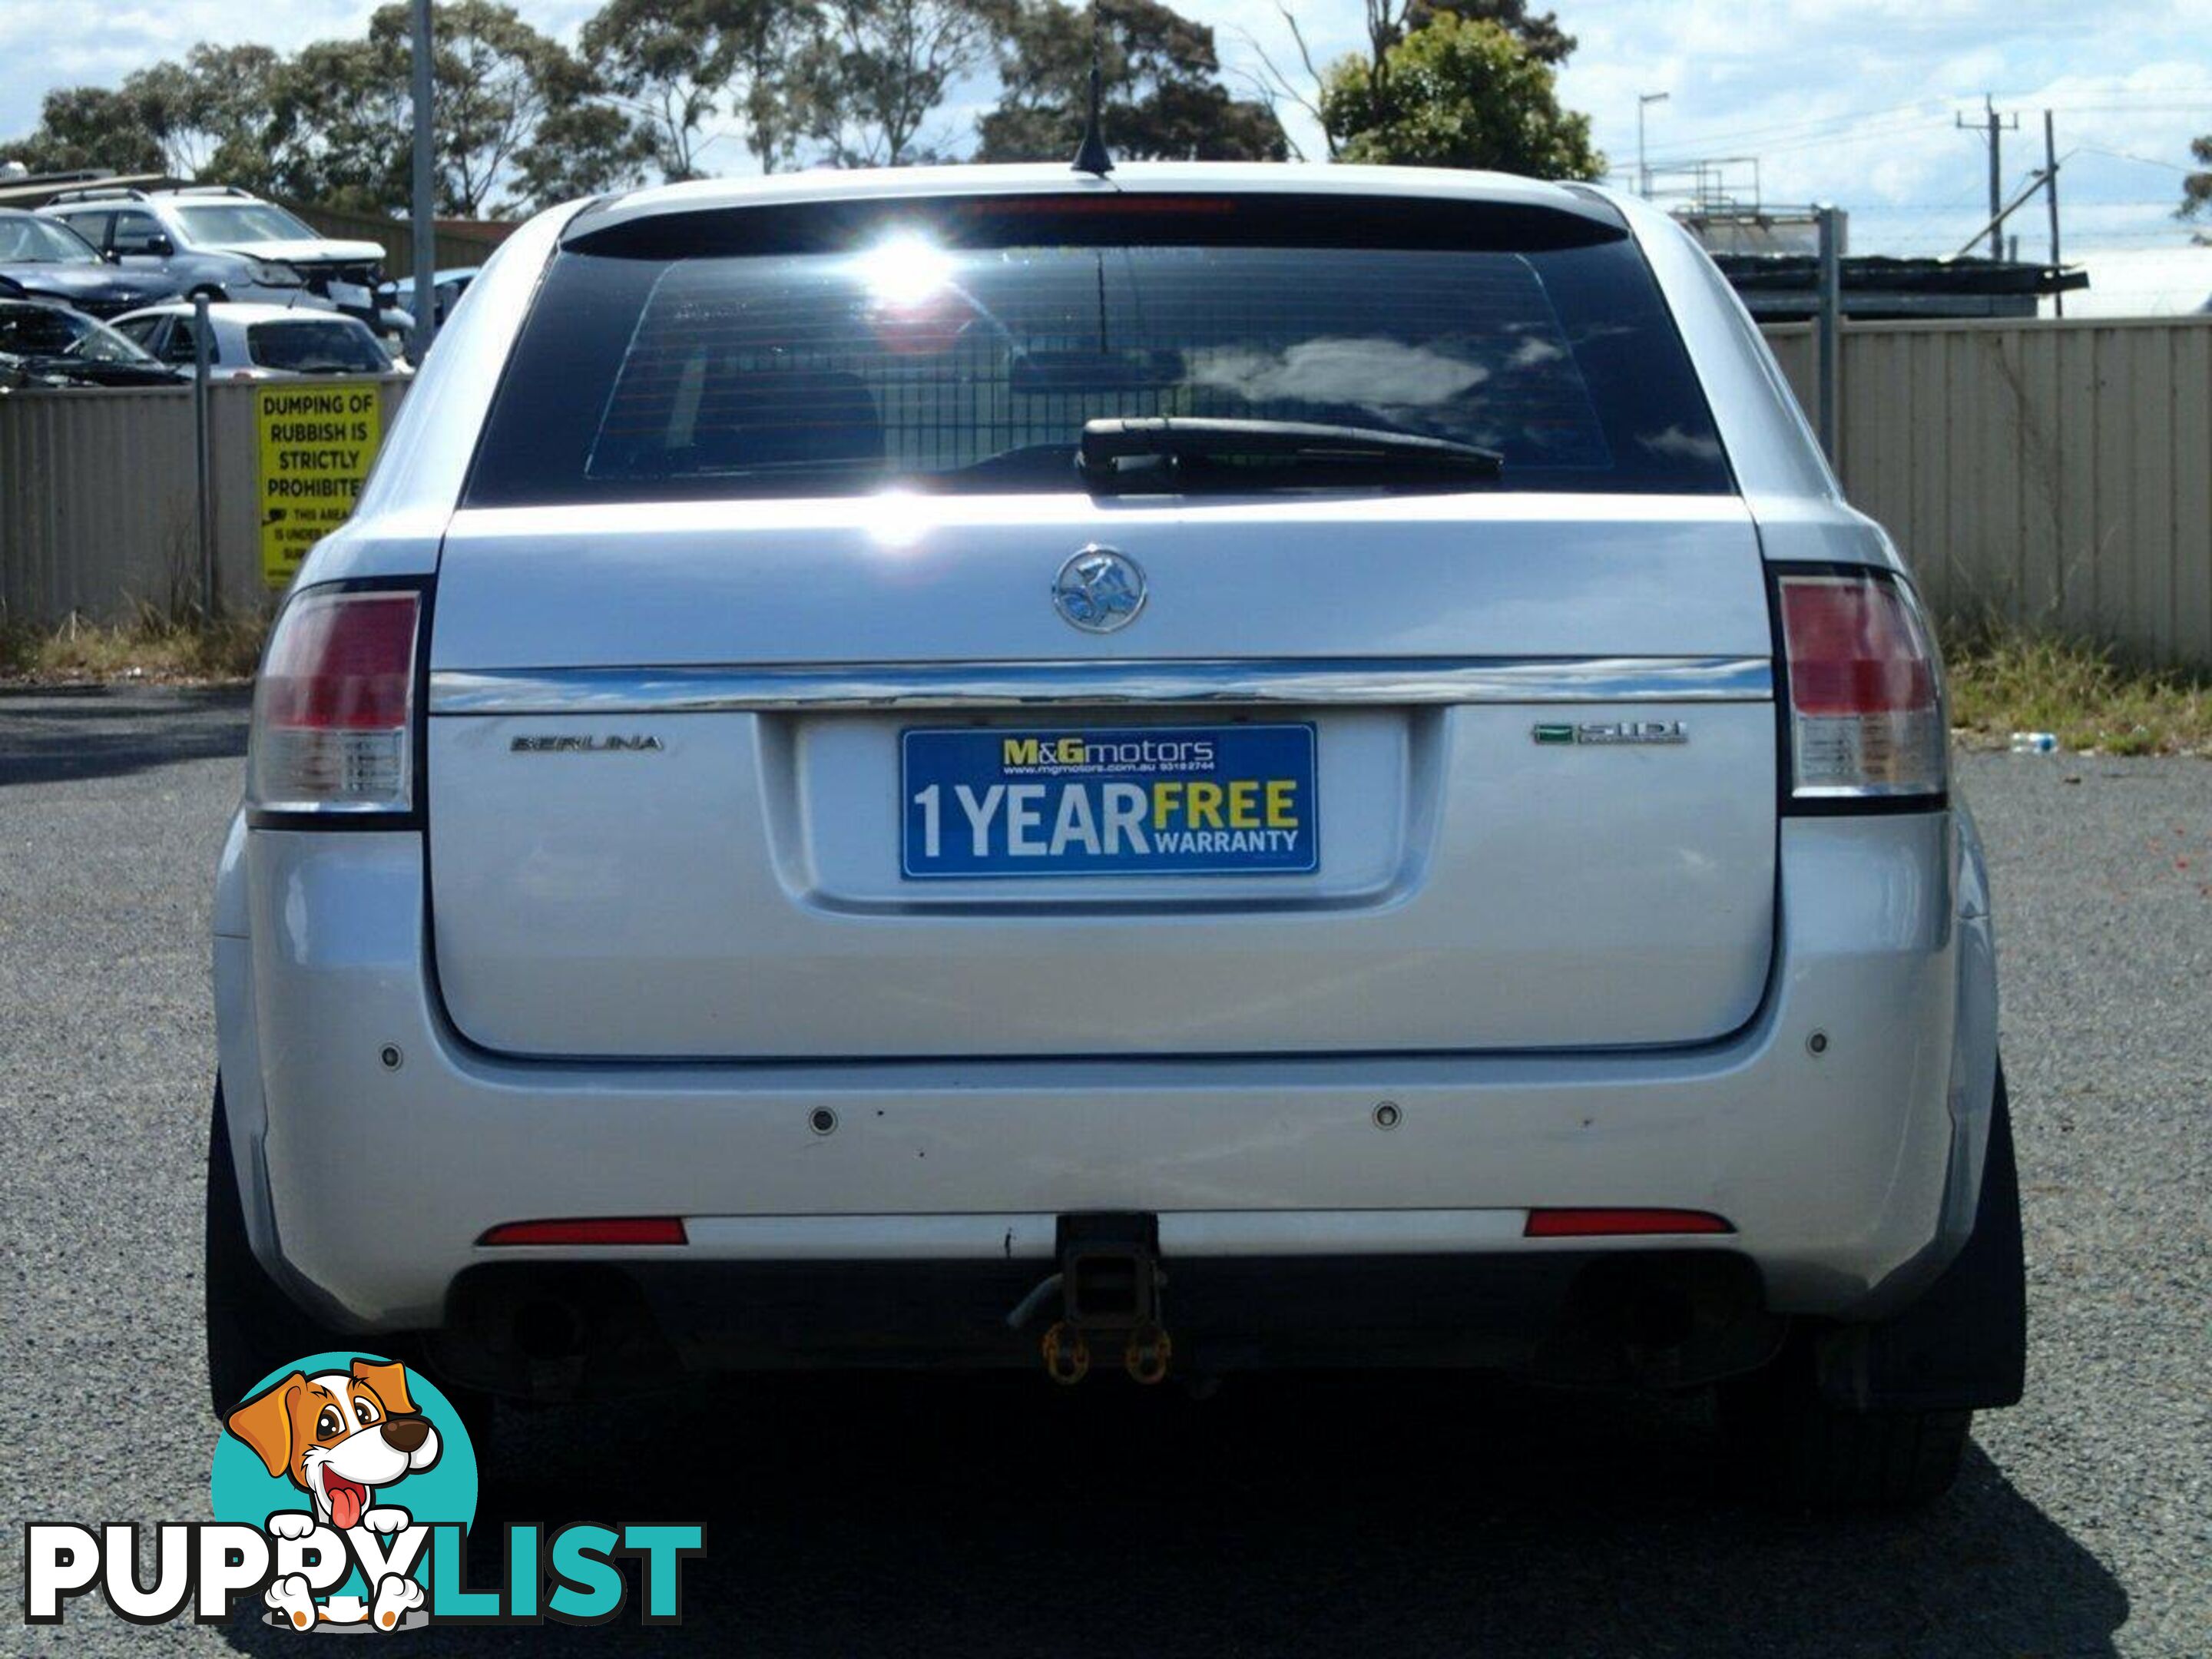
x=940, y=351
x=335, y=346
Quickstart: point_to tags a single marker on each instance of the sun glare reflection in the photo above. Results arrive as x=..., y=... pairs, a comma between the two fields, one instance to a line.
x=894, y=520
x=905, y=270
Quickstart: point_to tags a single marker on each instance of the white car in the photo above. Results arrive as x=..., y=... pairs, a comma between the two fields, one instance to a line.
x=261, y=343
x=1210, y=768
x=228, y=244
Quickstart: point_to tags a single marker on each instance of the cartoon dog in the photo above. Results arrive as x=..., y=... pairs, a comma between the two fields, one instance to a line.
x=339, y=1436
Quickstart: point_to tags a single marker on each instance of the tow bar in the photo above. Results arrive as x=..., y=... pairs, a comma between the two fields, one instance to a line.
x=1109, y=1283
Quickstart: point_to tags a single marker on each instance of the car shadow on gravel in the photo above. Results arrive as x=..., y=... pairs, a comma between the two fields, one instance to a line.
x=1288, y=1516
x=70, y=733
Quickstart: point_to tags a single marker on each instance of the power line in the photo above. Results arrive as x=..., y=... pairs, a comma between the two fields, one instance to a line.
x=1813, y=131
x=1852, y=136
x=1739, y=135
x=1844, y=128
x=1930, y=208
x=1848, y=135
x=2179, y=236
x=2122, y=155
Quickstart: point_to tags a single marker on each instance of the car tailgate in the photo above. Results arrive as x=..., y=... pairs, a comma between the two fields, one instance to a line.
x=666, y=802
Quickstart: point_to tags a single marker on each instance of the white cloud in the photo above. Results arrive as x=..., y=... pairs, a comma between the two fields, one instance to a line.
x=1849, y=101
x=1854, y=100
x=1380, y=374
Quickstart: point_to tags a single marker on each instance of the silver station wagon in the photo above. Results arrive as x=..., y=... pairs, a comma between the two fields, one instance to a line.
x=1202, y=768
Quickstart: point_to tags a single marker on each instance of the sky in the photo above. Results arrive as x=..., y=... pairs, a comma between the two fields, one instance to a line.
x=1852, y=101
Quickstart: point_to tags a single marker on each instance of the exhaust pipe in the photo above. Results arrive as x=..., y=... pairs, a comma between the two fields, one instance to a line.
x=548, y=1330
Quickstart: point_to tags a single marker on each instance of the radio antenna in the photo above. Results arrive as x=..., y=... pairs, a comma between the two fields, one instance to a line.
x=1093, y=156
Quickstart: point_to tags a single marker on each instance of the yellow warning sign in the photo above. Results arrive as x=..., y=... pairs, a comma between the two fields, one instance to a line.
x=317, y=440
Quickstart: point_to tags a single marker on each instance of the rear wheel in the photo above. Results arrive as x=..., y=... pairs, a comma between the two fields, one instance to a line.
x=1792, y=1447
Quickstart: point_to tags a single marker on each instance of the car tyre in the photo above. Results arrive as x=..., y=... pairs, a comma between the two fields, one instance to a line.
x=1794, y=1449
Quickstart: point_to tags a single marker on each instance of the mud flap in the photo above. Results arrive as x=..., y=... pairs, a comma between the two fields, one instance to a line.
x=1963, y=1343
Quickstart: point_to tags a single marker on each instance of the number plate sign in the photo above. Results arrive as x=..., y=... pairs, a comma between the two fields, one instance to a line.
x=1154, y=800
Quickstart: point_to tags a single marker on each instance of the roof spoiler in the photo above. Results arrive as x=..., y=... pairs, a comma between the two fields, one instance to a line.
x=1535, y=219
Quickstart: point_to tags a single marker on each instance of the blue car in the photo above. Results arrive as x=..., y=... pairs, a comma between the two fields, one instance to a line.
x=447, y=288
x=44, y=259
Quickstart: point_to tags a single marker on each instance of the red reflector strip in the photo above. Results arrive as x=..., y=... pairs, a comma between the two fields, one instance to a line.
x=1120, y=204
x=1608, y=1224
x=596, y=1229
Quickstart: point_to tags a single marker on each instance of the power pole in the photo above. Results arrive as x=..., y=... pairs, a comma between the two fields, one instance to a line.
x=202, y=356
x=2050, y=194
x=425, y=225
x=1643, y=101
x=1828, y=323
x=1997, y=126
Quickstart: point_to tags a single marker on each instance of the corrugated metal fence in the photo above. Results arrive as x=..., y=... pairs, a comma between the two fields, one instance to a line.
x=2055, y=474
x=98, y=512
x=2058, y=474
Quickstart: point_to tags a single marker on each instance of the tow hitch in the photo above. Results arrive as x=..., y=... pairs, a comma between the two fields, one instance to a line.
x=1109, y=1284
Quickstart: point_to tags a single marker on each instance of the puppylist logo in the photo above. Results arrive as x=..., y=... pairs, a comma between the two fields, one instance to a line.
x=343, y=1489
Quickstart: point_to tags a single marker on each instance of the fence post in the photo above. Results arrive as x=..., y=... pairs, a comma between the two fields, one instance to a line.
x=201, y=351
x=1830, y=317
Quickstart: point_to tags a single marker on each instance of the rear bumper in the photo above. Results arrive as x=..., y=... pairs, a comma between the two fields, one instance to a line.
x=367, y=1183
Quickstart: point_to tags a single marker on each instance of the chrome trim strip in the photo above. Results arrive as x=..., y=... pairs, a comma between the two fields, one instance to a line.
x=970, y=1237
x=1426, y=680
x=1339, y=1232
x=993, y=1236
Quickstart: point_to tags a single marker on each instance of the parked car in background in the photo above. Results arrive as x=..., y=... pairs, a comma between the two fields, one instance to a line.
x=1238, y=765
x=261, y=343
x=227, y=244
x=448, y=286
x=42, y=343
x=41, y=259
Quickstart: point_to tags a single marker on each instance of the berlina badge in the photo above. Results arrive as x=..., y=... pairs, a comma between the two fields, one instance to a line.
x=1610, y=731
x=573, y=744
x=1099, y=589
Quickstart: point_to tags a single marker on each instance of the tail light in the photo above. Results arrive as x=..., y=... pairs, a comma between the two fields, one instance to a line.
x=333, y=710
x=1866, y=696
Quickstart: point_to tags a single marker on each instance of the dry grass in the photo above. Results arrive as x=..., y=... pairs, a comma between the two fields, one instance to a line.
x=180, y=648
x=2005, y=680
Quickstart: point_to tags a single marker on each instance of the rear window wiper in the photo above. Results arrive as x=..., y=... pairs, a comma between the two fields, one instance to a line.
x=1178, y=452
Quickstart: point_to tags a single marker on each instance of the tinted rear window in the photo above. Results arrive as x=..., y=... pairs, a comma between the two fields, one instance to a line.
x=930, y=349
x=322, y=346
x=38, y=330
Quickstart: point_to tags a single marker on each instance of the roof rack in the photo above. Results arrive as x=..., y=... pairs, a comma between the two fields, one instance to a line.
x=105, y=193
x=206, y=190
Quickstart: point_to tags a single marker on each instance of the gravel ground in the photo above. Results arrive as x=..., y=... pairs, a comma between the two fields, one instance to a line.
x=917, y=1518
